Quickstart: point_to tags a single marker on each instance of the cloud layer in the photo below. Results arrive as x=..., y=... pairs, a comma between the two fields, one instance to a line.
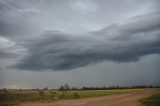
x=120, y=42
x=27, y=32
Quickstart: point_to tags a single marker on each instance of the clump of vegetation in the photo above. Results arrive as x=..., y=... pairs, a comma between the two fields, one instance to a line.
x=152, y=101
x=7, y=98
x=76, y=95
x=64, y=90
x=41, y=94
x=52, y=95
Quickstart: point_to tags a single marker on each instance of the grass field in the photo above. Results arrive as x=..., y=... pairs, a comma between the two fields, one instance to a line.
x=13, y=97
x=152, y=101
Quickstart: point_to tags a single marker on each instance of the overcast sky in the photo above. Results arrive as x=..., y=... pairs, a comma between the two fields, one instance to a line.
x=48, y=43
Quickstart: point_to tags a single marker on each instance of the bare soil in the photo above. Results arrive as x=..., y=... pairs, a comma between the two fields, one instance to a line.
x=129, y=99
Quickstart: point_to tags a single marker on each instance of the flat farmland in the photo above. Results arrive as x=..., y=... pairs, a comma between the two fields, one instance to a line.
x=76, y=98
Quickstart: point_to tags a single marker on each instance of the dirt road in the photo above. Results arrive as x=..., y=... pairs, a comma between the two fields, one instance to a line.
x=130, y=99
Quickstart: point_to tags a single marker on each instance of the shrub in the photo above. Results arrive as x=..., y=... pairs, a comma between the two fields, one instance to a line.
x=76, y=95
x=41, y=94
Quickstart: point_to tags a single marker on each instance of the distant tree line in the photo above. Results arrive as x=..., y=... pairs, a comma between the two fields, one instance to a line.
x=66, y=88
x=117, y=87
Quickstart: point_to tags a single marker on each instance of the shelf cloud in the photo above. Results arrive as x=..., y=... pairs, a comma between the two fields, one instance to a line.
x=120, y=42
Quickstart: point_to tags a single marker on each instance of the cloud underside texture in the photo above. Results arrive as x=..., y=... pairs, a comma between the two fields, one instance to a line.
x=123, y=42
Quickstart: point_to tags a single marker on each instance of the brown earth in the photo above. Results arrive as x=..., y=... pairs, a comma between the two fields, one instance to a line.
x=129, y=99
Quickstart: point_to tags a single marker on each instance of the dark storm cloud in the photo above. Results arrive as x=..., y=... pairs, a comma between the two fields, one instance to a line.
x=125, y=42
x=9, y=49
x=5, y=55
x=14, y=18
x=13, y=29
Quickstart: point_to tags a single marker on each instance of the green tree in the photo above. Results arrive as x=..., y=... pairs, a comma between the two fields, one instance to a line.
x=64, y=89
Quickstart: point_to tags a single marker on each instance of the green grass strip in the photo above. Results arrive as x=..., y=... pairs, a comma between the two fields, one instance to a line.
x=151, y=101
